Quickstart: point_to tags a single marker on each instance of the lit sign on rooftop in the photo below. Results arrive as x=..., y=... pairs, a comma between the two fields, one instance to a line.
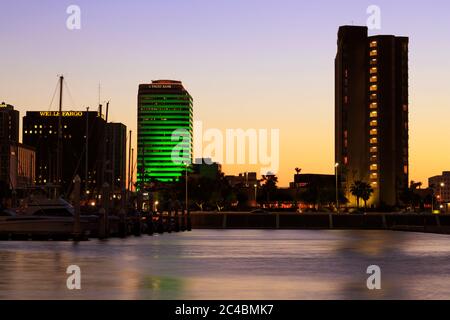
x=64, y=113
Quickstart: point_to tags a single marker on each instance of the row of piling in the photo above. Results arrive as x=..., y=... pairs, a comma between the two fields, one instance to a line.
x=123, y=225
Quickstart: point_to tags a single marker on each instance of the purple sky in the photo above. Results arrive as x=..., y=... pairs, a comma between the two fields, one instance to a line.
x=247, y=63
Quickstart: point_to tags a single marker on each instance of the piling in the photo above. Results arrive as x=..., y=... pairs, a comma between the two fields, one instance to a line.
x=177, y=222
x=189, y=222
x=77, y=223
x=105, y=206
x=123, y=214
x=183, y=221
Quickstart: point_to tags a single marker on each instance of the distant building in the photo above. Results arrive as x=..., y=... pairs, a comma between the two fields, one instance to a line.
x=441, y=186
x=17, y=167
x=164, y=106
x=9, y=123
x=17, y=161
x=371, y=113
x=303, y=181
x=246, y=179
x=116, y=153
x=81, y=131
x=206, y=168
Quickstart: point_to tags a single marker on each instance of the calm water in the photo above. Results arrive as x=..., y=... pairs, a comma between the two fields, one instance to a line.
x=206, y=264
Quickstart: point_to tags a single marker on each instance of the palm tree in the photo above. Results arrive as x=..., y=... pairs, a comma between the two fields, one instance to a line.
x=298, y=170
x=361, y=190
x=366, y=193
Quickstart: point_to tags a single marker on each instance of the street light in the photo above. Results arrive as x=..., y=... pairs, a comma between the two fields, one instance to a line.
x=186, y=178
x=440, y=194
x=336, y=166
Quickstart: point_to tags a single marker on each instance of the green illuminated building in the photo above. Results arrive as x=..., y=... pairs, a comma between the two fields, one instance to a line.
x=165, y=126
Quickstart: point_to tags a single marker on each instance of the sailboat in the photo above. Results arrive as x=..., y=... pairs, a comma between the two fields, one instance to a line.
x=43, y=216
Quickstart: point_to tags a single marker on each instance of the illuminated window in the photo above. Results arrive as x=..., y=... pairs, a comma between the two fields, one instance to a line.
x=373, y=62
x=373, y=53
x=374, y=105
x=373, y=123
x=345, y=160
x=373, y=44
x=373, y=114
x=373, y=167
x=373, y=70
x=373, y=87
x=405, y=107
x=373, y=132
x=373, y=149
x=374, y=175
x=373, y=158
x=373, y=140
x=373, y=96
x=405, y=169
x=374, y=184
x=373, y=79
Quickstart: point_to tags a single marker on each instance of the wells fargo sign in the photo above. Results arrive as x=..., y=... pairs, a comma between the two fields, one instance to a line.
x=64, y=113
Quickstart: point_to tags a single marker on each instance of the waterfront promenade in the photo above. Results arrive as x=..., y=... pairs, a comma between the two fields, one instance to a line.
x=322, y=221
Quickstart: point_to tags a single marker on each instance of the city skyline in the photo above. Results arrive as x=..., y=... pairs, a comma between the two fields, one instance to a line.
x=225, y=98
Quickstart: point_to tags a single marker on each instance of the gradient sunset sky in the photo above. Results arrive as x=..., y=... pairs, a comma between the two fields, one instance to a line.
x=247, y=64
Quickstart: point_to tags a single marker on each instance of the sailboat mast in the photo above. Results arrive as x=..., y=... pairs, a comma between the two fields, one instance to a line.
x=59, y=146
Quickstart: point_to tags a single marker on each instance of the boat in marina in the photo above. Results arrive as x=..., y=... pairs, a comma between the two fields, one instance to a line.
x=51, y=218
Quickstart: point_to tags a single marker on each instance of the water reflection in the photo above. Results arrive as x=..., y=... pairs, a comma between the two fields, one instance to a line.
x=232, y=265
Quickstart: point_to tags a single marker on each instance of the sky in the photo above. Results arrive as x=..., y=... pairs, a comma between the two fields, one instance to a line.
x=250, y=64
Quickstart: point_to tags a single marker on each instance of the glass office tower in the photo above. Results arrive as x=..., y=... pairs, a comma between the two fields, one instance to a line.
x=165, y=132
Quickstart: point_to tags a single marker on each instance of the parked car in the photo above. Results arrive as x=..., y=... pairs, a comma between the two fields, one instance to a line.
x=260, y=211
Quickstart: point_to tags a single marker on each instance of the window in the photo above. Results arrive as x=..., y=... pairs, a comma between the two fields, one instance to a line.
x=374, y=175
x=405, y=107
x=373, y=62
x=373, y=114
x=373, y=70
x=373, y=44
x=373, y=149
x=373, y=140
x=373, y=96
x=373, y=132
x=405, y=169
x=373, y=167
x=373, y=53
x=373, y=87
x=373, y=79
x=374, y=105
x=373, y=123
